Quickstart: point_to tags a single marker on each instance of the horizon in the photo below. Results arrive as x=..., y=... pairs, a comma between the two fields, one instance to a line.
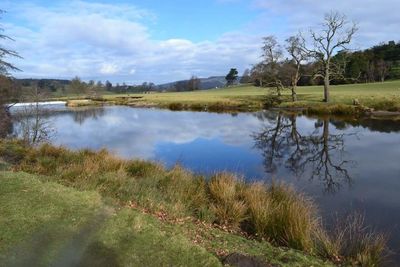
x=144, y=41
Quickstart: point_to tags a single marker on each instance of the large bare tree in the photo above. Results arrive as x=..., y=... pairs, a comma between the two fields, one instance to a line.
x=295, y=47
x=272, y=54
x=335, y=35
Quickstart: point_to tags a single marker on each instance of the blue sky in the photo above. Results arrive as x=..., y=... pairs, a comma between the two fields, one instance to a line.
x=146, y=40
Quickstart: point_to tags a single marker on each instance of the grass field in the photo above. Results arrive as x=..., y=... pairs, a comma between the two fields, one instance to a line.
x=379, y=96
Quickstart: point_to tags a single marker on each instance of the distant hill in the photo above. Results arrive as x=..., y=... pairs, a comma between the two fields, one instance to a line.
x=205, y=83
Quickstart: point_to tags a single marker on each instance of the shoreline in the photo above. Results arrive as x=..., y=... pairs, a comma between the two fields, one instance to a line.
x=330, y=109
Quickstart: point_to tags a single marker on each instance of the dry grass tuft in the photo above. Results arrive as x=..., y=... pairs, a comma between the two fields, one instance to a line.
x=351, y=241
x=227, y=206
x=283, y=216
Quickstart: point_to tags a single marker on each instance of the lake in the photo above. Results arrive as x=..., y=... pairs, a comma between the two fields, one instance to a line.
x=345, y=165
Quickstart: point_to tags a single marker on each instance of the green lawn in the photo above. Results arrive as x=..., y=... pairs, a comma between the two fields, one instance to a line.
x=44, y=223
x=367, y=94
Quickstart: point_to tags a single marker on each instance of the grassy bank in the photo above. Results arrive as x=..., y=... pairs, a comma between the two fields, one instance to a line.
x=216, y=216
x=46, y=224
x=377, y=96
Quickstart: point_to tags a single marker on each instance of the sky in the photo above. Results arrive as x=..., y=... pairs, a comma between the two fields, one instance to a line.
x=134, y=41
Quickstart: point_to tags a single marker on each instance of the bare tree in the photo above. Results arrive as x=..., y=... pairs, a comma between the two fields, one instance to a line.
x=193, y=83
x=257, y=74
x=272, y=54
x=295, y=47
x=382, y=69
x=335, y=35
x=33, y=126
x=245, y=77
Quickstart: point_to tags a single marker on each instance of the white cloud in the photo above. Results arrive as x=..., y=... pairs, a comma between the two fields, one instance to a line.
x=103, y=41
x=377, y=20
x=107, y=68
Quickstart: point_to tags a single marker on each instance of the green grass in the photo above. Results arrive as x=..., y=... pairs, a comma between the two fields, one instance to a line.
x=380, y=96
x=38, y=220
x=44, y=223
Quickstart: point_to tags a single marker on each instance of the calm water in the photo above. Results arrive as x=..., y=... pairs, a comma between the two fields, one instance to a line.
x=344, y=165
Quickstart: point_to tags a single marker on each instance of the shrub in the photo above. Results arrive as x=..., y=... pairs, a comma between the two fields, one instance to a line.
x=271, y=101
x=13, y=151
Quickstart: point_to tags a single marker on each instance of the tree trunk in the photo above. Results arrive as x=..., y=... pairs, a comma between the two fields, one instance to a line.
x=294, y=95
x=295, y=80
x=326, y=86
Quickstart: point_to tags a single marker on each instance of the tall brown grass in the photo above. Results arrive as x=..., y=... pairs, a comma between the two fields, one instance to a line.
x=352, y=241
x=281, y=215
x=226, y=204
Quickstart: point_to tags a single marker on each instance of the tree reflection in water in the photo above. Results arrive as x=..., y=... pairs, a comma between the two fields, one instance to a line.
x=81, y=114
x=319, y=154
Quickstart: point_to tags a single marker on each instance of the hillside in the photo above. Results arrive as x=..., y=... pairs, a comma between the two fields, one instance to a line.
x=205, y=83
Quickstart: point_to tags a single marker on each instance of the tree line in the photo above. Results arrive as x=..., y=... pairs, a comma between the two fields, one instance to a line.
x=77, y=86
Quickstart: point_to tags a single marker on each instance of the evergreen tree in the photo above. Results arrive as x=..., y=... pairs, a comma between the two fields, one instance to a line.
x=231, y=77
